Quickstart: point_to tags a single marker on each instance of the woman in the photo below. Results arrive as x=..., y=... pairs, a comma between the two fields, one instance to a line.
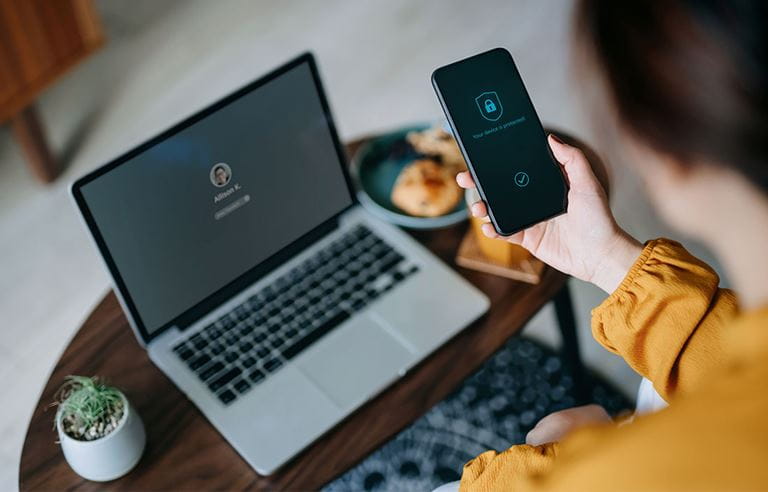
x=220, y=175
x=689, y=81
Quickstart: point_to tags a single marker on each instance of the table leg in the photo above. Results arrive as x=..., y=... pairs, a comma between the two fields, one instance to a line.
x=30, y=135
x=566, y=321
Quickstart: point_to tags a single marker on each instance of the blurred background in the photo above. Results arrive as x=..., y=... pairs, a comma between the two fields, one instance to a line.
x=164, y=59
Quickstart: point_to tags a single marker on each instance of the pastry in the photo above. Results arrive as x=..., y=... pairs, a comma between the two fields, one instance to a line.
x=436, y=142
x=426, y=188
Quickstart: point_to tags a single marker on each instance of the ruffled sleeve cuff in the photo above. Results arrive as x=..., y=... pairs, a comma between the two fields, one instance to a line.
x=659, y=304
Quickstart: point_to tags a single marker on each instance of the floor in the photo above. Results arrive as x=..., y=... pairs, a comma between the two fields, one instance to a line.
x=166, y=59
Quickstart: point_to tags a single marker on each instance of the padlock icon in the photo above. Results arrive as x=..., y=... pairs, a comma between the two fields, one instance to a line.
x=489, y=106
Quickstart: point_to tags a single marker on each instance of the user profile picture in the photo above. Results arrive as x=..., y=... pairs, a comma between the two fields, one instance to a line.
x=221, y=174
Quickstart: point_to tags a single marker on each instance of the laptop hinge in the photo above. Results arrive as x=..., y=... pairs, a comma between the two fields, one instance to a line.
x=229, y=291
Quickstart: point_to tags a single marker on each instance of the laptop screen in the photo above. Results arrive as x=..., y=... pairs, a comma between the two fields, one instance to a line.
x=201, y=207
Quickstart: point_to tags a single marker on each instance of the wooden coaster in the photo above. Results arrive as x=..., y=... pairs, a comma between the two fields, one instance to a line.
x=469, y=256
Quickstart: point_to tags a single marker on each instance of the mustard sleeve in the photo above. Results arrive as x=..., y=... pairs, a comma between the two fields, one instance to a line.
x=495, y=471
x=666, y=318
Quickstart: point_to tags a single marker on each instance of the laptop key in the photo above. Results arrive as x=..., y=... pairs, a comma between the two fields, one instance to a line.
x=381, y=253
x=227, y=396
x=200, y=361
x=200, y=343
x=358, y=304
x=390, y=263
x=211, y=371
x=248, y=362
x=245, y=347
x=272, y=364
x=315, y=335
x=216, y=349
x=241, y=385
x=382, y=283
x=273, y=328
x=186, y=354
x=227, y=323
x=278, y=342
x=256, y=376
x=254, y=300
x=222, y=380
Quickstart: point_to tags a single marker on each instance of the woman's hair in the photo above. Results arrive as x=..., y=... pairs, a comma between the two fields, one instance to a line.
x=689, y=78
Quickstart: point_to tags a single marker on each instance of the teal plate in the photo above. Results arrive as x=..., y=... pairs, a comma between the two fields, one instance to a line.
x=375, y=168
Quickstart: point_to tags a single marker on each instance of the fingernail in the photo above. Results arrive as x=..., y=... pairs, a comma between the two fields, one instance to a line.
x=530, y=438
x=475, y=211
x=556, y=138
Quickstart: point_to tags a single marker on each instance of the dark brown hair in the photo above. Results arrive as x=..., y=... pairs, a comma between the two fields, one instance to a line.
x=688, y=78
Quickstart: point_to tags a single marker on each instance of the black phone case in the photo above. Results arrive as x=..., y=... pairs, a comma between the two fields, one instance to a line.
x=464, y=153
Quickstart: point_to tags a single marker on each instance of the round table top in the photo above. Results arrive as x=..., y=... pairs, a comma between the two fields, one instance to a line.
x=185, y=452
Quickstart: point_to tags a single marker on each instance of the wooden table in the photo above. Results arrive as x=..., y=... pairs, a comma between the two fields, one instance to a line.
x=185, y=452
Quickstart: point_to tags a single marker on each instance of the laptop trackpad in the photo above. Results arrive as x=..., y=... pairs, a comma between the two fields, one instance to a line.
x=355, y=362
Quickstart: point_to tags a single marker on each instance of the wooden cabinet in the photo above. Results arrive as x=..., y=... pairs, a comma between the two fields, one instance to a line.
x=39, y=41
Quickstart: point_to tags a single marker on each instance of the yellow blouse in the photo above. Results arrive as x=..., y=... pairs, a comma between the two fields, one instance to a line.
x=671, y=323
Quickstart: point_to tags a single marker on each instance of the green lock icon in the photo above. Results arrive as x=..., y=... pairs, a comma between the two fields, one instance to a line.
x=490, y=107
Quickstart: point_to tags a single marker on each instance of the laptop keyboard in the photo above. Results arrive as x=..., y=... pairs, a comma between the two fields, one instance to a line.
x=243, y=347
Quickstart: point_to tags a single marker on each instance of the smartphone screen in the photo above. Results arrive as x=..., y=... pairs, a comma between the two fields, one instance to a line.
x=502, y=140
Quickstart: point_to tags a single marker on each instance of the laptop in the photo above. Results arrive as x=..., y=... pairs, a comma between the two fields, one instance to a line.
x=254, y=279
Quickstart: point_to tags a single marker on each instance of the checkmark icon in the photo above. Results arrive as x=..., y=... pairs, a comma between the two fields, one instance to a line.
x=522, y=179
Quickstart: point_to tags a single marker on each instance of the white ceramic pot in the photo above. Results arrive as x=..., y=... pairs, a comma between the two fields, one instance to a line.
x=110, y=457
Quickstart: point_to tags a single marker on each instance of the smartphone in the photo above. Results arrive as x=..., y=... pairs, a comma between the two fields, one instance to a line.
x=502, y=140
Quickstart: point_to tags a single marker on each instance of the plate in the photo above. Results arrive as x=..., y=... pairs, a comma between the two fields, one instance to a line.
x=375, y=168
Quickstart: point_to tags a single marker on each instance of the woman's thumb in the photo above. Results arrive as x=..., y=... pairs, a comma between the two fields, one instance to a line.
x=564, y=153
x=576, y=166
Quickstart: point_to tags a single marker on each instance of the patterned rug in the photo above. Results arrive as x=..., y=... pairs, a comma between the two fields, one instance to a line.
x=493, y=409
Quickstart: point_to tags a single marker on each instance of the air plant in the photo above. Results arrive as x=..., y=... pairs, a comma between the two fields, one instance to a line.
x=89, y=408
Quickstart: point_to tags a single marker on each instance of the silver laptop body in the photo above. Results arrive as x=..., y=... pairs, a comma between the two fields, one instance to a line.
x=283, y=359
x=341, y=371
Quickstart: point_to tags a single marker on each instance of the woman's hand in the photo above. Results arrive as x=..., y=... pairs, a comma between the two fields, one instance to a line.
x=555, y=426
x=585, y=242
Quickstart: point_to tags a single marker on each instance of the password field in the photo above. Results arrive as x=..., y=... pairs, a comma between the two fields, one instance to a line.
x=232, y=207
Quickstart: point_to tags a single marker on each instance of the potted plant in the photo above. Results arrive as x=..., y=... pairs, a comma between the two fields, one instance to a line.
x=101, y=435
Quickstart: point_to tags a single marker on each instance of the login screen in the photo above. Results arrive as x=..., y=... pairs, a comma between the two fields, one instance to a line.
x=197, y=210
